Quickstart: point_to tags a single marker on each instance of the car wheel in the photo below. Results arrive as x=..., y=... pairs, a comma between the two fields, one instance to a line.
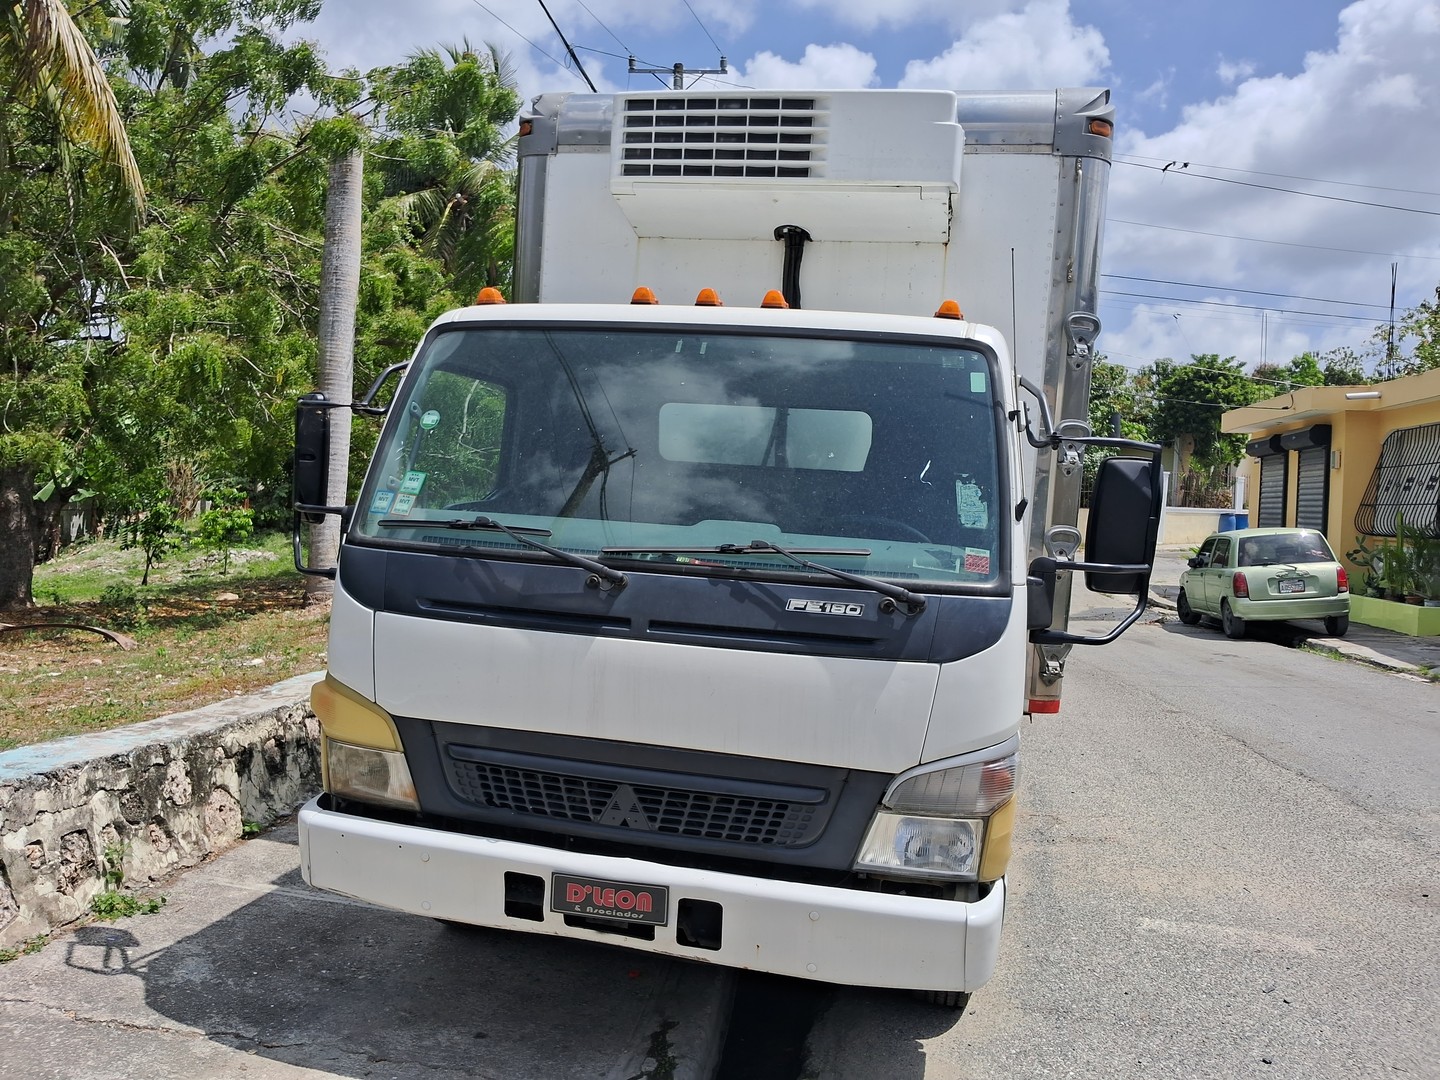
x=1232, y=624
x=1188, y=615
x=1336, y=625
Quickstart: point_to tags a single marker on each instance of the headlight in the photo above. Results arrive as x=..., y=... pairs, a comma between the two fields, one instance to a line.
x=928, y=847
x=946, y=823
x=369, y=775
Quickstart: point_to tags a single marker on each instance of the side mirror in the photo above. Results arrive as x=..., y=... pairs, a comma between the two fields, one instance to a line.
x=1195, y=562
x=1124, y=522
x=312, y=456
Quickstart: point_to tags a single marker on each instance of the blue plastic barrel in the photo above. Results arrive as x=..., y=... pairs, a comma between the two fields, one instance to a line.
x=1227, y=522
x=1242, y=521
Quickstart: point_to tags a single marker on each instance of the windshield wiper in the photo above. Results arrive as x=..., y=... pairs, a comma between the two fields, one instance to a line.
x=601, y=576
x=901, y=599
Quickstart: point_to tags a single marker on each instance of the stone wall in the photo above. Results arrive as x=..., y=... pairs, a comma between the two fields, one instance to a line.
x=156, y=796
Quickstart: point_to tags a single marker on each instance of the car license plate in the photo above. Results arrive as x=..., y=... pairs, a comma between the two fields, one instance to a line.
x=623, y=901
x=1293, y=585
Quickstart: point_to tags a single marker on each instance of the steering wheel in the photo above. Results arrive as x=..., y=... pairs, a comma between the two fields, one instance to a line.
x=887, y=527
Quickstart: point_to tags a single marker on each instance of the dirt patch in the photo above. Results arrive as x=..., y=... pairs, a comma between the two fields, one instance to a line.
x=196, y=644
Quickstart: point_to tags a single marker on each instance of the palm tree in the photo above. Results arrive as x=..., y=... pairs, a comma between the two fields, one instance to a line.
x=339, y=296
x=447, y=158
x=46, y=62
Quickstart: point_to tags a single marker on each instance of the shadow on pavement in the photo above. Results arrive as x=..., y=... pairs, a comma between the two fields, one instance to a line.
x=875, y=1033
x=303, y=978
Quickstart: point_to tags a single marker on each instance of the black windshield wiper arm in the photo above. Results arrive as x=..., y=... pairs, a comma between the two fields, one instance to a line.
x=901, y=599
x=602, y=576
x=729, y=549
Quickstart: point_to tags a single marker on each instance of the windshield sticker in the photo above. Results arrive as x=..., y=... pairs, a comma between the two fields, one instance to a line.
x=977, y=561
x=382, y=502
x=412, y=483
x=402, y=506
x=430, y=421
x=974, y=514
x=977, y=382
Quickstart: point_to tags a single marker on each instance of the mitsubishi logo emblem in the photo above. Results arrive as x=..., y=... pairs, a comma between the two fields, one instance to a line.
x=624, y=810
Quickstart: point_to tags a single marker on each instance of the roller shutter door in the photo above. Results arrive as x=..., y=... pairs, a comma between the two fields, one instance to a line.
x=1312, y=493
x=1272, y=490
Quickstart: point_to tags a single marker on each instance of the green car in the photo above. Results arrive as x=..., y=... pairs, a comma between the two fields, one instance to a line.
x=1265, y=574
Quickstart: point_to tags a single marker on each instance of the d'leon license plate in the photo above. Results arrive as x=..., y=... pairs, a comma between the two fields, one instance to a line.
x=623, y=901
x=1291, y=585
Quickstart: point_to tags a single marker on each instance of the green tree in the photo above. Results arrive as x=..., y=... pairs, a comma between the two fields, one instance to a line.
x=119, y=346
x=1420, y=328
x=1343, y=367
x=63, y=153
x=1115, y=392
x=442, y=155
x=1190, y=399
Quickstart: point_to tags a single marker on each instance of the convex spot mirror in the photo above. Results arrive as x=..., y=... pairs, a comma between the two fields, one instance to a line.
x=1124, y=520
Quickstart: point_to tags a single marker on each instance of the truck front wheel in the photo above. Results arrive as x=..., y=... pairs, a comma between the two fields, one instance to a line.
x=946, y=999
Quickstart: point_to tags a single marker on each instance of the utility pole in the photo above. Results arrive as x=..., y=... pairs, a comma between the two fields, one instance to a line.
x=679, y=71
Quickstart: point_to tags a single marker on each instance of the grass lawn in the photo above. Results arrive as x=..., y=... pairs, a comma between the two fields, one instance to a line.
x=201, y=635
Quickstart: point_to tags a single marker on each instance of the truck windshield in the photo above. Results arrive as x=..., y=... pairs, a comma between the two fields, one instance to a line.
x=642, y=445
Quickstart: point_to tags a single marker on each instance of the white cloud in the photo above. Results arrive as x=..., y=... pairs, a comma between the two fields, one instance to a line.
x=823, y=67
x=1038, y=46
x=1231, y=72
x=1350, y=117
x=868, y=15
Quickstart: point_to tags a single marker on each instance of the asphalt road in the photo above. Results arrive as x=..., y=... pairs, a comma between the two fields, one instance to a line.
x=1227, y=865
x=249, y=973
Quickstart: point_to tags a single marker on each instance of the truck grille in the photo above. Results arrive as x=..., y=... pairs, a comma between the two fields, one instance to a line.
x=725, y=136
x=635, y=805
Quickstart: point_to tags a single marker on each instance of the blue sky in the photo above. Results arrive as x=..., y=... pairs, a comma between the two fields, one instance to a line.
x=1326, y=97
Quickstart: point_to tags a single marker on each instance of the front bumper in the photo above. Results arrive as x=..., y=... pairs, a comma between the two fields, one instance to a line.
x=805, y=931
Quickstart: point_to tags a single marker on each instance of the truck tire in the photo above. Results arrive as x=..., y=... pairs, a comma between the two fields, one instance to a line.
x=946, y=999
x=1188, y=615
x=1336, y=625
x=1232, y=624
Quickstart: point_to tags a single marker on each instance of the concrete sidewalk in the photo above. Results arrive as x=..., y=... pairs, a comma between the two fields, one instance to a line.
x=1372, y=645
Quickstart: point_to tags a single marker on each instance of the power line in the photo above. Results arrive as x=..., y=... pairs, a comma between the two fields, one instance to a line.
x=1289, y=191
x=522, y=37
x=1236, y=288
x=1257, y=240
x=1244, y=307
x=565, y=41
x=603, y=27
x=718, y=49
x=1290, y=176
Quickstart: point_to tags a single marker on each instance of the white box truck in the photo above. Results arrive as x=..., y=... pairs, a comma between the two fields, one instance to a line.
x=708, y=626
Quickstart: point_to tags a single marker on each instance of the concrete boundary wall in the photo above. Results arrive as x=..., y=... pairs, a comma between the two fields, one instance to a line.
x=163, y=795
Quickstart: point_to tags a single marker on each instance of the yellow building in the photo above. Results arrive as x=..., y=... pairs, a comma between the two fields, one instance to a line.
x=1348, y=460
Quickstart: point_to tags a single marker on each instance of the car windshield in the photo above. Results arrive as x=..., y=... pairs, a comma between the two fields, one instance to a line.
x=654, y=442
x=1284, y=548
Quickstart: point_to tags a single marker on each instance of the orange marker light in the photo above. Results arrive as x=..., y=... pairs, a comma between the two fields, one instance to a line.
x=708, y=298
x=949, y=309
x=490, y=295
x=1103, y=128
x=526, y=127
x=643, y=295
x=774, y=299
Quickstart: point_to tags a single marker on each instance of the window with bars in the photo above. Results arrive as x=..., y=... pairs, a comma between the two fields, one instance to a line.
x=1406, y=484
